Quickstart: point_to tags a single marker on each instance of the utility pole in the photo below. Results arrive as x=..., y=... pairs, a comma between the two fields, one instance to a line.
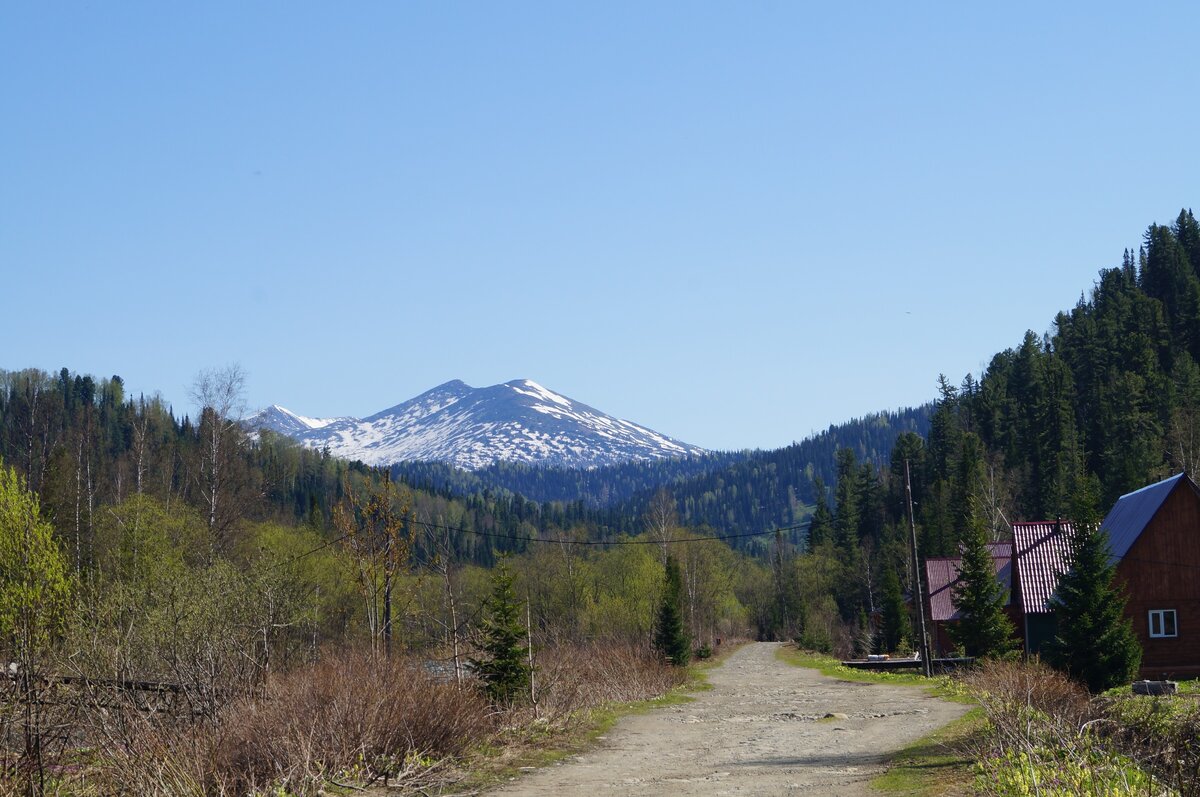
x=918, y=593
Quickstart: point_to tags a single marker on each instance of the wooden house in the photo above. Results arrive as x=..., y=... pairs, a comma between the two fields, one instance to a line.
x=1154, y=541
x=1154, y=536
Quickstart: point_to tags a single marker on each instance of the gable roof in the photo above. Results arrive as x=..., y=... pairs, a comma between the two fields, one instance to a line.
x=1042, y=553
x=1133, y=511
x=941, y=573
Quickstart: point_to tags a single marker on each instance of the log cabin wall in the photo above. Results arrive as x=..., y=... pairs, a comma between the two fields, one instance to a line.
x=1161, y=570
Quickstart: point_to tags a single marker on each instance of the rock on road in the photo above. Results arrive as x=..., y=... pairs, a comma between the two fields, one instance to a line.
x=760, y=730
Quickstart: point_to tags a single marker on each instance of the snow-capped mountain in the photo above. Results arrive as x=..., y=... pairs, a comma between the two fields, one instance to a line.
x=518, y=421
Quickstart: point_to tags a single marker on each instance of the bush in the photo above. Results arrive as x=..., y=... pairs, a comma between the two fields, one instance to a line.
x=1164, y=734
x=816, y=640
x=349, y=716
x=575, y=677
x=1048, y=736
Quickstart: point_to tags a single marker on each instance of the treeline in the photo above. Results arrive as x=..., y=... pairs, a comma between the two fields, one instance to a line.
x=83, y=445
x=1113, y=390
x=595, y=487
x=774, y=489
x=732, y=492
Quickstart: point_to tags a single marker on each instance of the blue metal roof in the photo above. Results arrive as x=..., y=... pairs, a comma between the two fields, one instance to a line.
x=1132, y=512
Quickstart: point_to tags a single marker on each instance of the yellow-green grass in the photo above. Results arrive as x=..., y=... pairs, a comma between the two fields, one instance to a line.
x=937, y=764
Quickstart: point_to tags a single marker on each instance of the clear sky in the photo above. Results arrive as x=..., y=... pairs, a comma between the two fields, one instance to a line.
x=735, y=223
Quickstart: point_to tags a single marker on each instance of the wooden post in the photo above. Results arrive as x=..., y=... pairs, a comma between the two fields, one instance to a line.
x=918, y=593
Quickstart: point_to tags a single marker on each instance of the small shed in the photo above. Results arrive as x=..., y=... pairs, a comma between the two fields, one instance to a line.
x=941, y=574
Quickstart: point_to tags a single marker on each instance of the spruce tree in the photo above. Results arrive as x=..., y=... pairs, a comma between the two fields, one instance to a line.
x=820, y=528
x=670, y=638
x=983, y=629
x=504, y=668
x=896, y=624
x=1095, y=643
x=848, y=494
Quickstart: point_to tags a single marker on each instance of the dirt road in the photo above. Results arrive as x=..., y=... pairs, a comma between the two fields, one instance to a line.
x=761, y=730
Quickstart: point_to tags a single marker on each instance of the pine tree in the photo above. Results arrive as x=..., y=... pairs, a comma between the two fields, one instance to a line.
x=983, y=630
x=505, y=667
x=670, y=638
x=1095, y=643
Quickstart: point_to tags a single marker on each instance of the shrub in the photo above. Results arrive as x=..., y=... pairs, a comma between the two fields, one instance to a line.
x=1047, y=736
x=349, y=716
x=577, y=677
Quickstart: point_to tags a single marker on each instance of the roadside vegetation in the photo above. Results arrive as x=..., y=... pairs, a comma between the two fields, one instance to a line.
x=1047, y=735
x=275, y=660
x=1036, y=731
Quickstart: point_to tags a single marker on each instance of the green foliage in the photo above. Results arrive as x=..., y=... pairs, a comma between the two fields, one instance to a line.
x=897, y=627
x=1049, y=773
x=820, y=527
x=35, y=587
x=504, y=667
x=984, y=630
x=671, y=639
x=1095, y=642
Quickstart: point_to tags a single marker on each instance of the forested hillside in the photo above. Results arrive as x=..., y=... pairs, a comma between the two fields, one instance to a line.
x=731, y=492
x=1112, y=391
x=1114, y=388
x=84, y=446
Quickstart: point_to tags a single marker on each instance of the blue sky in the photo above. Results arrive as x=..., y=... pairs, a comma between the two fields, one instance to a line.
x=735, y=223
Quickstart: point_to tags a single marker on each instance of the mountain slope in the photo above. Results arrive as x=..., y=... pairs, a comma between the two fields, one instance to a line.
x=472, y=428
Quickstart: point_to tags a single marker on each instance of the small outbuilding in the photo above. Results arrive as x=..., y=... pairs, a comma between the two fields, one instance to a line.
x=941, y=575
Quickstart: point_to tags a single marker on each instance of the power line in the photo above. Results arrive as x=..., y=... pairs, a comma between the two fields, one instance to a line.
x=547, y=540
x=550, y=540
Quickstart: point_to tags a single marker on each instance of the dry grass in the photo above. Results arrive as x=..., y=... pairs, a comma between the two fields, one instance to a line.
x=349, y=719
x=577, y=677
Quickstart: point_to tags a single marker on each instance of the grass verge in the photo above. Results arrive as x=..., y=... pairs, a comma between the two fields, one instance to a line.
x=935, y=765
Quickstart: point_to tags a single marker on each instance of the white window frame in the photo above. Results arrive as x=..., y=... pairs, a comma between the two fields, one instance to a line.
x=1158, y=630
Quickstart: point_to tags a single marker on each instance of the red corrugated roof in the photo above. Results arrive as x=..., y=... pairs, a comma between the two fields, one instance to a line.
x=1042, y=553
x=941, y=573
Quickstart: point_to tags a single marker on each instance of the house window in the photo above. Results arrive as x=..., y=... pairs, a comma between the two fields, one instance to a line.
x=1162, y=623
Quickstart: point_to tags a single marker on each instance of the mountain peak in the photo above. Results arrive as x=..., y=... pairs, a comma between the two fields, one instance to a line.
x=280, y=419
x=517, y=421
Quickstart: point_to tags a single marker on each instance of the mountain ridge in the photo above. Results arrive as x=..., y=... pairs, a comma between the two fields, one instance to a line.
x=519, y=421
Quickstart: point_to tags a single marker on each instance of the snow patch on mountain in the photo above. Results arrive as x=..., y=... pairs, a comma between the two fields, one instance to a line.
x=518, y=421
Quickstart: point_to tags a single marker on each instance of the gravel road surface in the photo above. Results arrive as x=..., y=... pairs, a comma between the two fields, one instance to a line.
x=762, y=729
